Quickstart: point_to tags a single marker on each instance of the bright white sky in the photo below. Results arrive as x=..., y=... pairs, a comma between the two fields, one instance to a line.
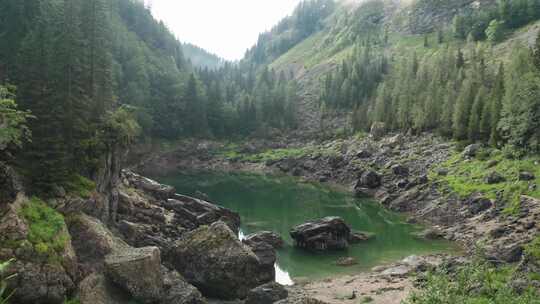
x=224, y=27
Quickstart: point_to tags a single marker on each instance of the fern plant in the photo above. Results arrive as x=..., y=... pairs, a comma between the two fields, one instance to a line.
x=4, y=296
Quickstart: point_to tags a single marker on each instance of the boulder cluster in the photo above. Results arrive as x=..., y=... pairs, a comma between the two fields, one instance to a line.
x=156, y=246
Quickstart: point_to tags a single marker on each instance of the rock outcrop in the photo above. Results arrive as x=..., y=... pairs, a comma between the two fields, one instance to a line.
x=42, y=276
x=217, y=263
x=114, y=272
x=268, y=237
x=329, y=233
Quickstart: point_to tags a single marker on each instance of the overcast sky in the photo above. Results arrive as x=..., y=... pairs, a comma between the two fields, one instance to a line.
x=224, y=27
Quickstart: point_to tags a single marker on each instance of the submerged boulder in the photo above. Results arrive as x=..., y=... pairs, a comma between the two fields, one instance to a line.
x=360, y=236
x=217, y=263
x=329, y=233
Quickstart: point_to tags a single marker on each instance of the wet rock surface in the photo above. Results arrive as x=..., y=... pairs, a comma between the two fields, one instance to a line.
x=329, y=233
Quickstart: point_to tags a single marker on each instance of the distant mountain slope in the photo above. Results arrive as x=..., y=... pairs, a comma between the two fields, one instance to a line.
x=397, y=29
x=201, y=58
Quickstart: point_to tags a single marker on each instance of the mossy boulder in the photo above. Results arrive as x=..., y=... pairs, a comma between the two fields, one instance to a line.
x=217, y=263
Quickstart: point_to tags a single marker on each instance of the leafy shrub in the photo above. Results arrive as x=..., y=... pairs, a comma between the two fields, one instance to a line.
x=80, y=186
x=46, y=228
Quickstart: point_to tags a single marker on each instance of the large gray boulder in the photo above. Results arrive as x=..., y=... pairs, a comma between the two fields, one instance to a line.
x=217, y=263
x=137, y=271
x=329, y=233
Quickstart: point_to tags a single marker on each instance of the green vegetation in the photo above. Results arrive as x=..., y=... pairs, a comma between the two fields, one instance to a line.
x=47, y=230
x=4, y=295
x=80, y=186
x=233, y=152
x=72, y=301
x=466, y=177
x=533, y=249
x=13, y=122
x=477, y=283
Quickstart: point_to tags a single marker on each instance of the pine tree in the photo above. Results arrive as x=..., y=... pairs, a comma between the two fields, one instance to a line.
x=474, y=129
x=440, y=36
x=537, y=52
x=492, y=115
x=46, y=157
x=463, y=108
x=494, y=32
x=460, y=61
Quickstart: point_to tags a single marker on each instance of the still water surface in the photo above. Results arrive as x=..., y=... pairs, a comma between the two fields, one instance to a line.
x=279, y=203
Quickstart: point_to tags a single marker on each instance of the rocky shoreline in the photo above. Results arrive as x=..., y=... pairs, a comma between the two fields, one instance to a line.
x=136, y=239
x=394, y=170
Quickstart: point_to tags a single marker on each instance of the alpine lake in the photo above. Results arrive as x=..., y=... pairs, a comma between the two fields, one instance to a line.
x=278, y=203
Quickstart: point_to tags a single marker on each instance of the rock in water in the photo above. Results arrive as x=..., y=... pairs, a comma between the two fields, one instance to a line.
x=138, y=271
x=268, y=237
x=360, y=236
x=217, y=263
x=329, y=233
x=346, y=261
x=267, y=294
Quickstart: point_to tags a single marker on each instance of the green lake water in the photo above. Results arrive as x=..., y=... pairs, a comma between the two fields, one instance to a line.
x=279, y=203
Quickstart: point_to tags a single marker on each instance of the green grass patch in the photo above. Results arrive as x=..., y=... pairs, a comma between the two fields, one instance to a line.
x=477, y=283
x=466, y=177
x=80, y=186
x=533, y=249
x=277, y=154
x=47, y=231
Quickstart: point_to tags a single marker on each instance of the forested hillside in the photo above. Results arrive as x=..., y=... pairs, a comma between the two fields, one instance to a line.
x=463, y=69
x=87, y=69
x=200, y=57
